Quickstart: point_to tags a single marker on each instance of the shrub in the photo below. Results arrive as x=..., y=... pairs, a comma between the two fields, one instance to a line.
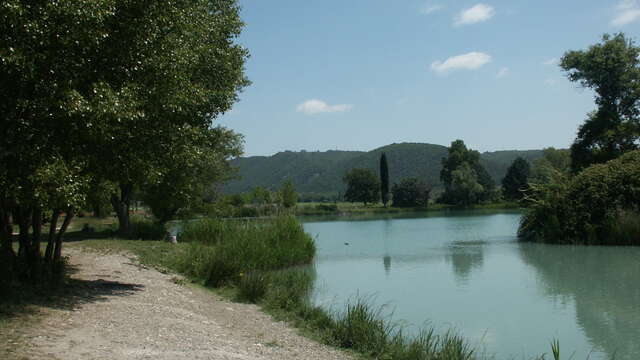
x=144, y=229
x=411, y=192
x=597, y=206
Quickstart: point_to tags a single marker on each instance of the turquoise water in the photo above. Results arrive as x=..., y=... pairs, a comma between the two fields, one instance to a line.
x=467, y=271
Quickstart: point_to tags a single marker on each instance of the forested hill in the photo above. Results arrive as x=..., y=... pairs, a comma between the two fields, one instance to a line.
x=321, y=172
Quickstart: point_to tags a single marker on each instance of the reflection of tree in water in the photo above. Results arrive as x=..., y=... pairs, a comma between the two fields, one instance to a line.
x=603, y=281
x=465, y=258
x=387, y=264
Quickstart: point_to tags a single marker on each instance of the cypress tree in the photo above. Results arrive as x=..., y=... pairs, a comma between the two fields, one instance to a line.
x=384, y=179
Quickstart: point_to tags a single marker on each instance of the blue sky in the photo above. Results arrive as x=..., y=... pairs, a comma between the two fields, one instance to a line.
x=359, y=74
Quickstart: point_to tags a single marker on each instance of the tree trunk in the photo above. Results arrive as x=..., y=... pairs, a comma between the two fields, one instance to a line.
x=48, y=254
x=121, y=206
x=36, y=224
x=23, y=216
x=6, y=231
x=57, y=252
x=97, y=210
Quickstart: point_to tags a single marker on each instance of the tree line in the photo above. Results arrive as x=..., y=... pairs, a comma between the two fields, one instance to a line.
x=465, y=180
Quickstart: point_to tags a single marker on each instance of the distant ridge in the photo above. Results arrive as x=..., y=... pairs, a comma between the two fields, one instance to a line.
x=321, y=172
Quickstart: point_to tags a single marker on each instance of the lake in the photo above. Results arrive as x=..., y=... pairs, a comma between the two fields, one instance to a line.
x=467, y=271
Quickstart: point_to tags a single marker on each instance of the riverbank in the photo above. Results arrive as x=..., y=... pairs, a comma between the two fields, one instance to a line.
x=119, y=308
x=344, y=208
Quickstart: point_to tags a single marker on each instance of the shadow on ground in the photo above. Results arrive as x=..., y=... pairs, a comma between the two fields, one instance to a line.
x=64, y=293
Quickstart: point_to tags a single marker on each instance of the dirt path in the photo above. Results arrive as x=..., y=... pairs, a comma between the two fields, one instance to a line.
x=133, y=312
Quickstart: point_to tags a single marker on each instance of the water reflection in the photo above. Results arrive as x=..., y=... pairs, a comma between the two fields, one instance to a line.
x=465, y=257
x=603, y=282
x=387, y=264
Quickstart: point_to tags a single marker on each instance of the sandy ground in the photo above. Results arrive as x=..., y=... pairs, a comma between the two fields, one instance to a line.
x=134, y=312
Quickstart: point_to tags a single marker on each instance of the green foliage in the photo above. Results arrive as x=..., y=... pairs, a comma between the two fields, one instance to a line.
x=465, y=180
x=289, y=195
x=591, y=208
x=224, y=250
x=555, y=163
x=411, y=193
x=317, y=176
x=362, y=186
x=612, y=69
x=145, y=229
x=516, y=182
x=116, y=93
x=384, y=179
x=200, y=158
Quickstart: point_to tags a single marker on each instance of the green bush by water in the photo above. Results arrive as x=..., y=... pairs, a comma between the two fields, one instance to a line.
x=600, y=206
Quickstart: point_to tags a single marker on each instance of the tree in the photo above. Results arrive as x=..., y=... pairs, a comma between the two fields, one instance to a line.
x=289, y=195
x=362, y=185
x=101, y=92
x=466, y=181
x=411, y=192
x=612, y=69
x=555, y=164
x=516, y=180
x=384, y=179
x=199, y=160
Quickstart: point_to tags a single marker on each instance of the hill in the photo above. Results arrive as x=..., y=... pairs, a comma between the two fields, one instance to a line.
x=321, y=172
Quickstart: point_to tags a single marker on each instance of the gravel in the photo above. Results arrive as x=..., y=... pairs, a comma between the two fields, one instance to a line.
x=134, y=312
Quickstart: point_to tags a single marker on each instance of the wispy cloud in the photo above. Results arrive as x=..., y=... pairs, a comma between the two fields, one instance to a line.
x=549, y=62
x=430, y=8
x=315, y=106
x=550, y=81
x=627, y=11
x=470, y=61
x=504, y=72
x=475, y=14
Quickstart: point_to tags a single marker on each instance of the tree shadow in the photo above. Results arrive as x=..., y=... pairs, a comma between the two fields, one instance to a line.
x=62, y=293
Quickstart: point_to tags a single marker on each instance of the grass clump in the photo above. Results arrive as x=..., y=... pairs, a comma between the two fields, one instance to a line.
x=222, y=252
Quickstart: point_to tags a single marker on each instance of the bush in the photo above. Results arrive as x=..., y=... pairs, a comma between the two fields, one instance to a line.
x=411, y=192
x=600, y=205
x=144, y=229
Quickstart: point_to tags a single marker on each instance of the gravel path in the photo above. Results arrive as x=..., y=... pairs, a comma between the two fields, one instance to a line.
x=134, y=312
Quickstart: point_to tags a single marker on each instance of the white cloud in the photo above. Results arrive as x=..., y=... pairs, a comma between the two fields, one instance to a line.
x=475, y=14
x=429, y=8
x=504, y=72
x=627, y=11
x=551, y=61
x=471, y=61
x=550, y=81
x=315, y=106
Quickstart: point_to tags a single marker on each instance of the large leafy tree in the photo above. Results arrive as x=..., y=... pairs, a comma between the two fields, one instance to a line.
x=362, y=186
x=384, y=179
x=107, y=91
x=611, y=69
x=516, y=180
x=466, y=181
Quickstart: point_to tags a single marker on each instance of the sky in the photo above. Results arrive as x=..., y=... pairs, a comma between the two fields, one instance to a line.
x=360, y=74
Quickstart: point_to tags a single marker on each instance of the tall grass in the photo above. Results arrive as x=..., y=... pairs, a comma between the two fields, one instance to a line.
x=222, y=251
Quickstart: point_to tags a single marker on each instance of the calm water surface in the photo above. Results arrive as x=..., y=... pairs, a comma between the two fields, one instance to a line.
x=467, y=271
